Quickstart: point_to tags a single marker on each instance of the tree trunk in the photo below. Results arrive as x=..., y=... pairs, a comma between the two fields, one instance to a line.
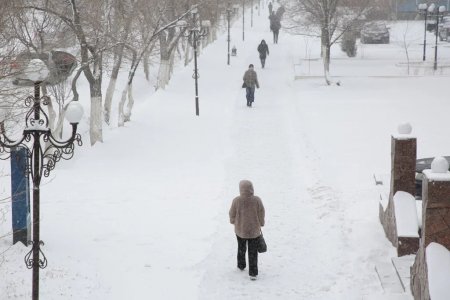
x=146, y=63
x=164, y=73
x=127, y=113
x=112, y=83
x=96, y=131
x=187, y=57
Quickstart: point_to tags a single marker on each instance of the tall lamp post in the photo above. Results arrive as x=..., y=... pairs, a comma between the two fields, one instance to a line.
x=423, y=7
x=43, y=151
x=243, y=20
x=228, y=39
x=439, y=11
x=194, y=34
x=251, y=14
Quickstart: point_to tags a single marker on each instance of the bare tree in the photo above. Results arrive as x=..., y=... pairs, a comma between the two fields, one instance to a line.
x=160, y=26
x=123, y=13
x=87, y=20
x=330, y=19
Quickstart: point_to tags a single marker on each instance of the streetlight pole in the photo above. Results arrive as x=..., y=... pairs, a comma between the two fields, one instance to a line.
x=251, y=18
x=228, y=39
x=440, y=9
x=423, y=7
x=43, y=154
x=243, y=20
x=194, y=34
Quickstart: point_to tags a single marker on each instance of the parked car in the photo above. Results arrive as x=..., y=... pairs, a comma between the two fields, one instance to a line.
x=423, y=164
x=375, y=32
x=444, y=29
x=431, y=25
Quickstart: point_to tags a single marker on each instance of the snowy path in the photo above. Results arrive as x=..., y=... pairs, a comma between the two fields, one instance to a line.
x=144, y=215
x=305, y=228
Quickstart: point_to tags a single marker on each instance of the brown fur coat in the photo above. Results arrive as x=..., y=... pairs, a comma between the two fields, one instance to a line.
x=247, y=212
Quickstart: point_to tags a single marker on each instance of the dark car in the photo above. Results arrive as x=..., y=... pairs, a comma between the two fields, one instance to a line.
x=423, y=164
x=444, y=29
x=375, y=33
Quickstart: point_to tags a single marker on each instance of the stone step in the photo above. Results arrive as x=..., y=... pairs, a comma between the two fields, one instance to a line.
x=402, y=266
x=389, y=279
x=388, y=297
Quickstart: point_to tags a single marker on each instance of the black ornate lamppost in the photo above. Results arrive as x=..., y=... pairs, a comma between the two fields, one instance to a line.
x=43, y=152
x=423, y=8
x=194, y=34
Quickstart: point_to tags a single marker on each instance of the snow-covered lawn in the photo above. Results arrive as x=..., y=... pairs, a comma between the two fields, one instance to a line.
x=144, y=215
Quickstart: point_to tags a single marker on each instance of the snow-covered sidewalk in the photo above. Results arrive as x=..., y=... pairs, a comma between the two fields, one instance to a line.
x=144, y=215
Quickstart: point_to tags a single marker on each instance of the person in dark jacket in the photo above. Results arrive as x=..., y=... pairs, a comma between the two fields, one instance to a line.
x=247, y=215
x=275, y=26
x=270, y=8
x=250, y=82
x=263, y=50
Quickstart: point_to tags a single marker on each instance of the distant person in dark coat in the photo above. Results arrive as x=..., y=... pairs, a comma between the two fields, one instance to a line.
x=275, y=26
x=247, y=214
x=263, y=50
x=250, y=82
x=270, y=8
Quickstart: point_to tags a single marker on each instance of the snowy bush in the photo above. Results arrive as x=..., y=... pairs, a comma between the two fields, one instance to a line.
x=348, y=43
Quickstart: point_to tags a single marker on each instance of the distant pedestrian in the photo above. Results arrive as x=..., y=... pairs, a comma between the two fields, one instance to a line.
x=270, y=8
x=247, y=214
x=250, y=82
x=275, y=26
x=263, y=50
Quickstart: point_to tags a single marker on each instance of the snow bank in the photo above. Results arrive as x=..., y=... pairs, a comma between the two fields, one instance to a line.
x=438, y=262
x=406, y=215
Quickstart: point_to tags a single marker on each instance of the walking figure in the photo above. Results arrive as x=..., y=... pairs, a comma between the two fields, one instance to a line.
x=247, y=214
x=275, y=26
x=270, y=8
x=263, y=50
x=250, y=82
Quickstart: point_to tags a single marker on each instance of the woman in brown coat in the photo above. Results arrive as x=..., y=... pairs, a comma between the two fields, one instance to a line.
x=247, y=214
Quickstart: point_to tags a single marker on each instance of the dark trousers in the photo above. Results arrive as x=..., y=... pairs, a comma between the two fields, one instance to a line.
x=263, y=61
x=275, y=36
x=252, y=255
x=250, y=95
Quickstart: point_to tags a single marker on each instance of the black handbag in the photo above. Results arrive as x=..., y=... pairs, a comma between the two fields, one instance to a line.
x=244, y=85
x=262, y=246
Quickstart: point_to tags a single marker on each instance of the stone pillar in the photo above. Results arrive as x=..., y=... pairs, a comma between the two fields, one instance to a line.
x=435, y=222
x=403, y=164
x=403, y=173
x=436, y=206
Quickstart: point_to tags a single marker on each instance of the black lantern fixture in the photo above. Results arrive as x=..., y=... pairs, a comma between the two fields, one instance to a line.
x=43, y=152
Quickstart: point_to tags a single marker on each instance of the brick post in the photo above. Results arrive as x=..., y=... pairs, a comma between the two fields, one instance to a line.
x=403, y=172
x=435, y=222
x=436, y=208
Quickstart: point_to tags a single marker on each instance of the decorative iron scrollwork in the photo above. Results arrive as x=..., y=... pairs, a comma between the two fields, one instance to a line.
x=29, y=261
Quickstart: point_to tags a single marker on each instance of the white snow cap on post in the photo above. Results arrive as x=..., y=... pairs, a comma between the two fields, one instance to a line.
x=404, y=128
x=439, y=170
x=439, y=165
